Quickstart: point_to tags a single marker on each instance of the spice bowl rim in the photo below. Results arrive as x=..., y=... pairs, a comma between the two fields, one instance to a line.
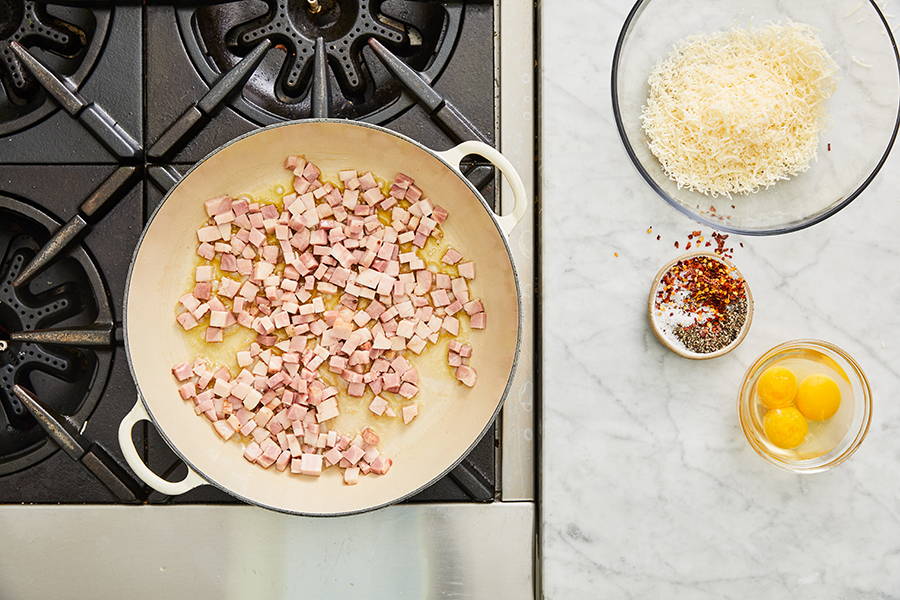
x=744, y=399
x=666, y=341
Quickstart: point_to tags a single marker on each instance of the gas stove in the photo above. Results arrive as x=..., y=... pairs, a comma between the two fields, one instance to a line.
x=103, y=107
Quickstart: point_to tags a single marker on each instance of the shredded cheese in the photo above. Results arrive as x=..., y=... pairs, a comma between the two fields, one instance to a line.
x=737, y=111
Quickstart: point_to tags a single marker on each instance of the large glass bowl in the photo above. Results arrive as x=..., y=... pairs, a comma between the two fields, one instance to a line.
x=863, y=113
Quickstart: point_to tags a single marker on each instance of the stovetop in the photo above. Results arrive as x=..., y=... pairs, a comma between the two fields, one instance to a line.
x=139, y=68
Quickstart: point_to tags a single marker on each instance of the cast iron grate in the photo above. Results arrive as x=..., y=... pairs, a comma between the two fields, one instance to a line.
x=69, y=39
x=422, y=34
x=70, y=291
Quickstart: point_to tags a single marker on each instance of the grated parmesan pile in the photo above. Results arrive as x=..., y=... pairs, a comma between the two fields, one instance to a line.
x=737, y=111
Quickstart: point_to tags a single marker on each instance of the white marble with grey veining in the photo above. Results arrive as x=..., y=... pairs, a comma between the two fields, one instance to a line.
x=649, y=489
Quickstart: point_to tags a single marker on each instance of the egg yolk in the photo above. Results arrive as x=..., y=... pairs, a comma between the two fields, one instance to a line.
x=777, y=387
x=819, y=397
x=785, y=427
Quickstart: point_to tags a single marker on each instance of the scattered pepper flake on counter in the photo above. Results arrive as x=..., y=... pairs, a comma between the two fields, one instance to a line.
x=702, y=302
x=696, y=239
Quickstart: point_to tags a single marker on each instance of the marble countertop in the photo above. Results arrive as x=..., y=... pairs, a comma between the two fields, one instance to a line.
x=649, y=489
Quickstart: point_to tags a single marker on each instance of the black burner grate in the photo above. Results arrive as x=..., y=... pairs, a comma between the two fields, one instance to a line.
x=70, y=292
x=69, y=39
x=422, y=34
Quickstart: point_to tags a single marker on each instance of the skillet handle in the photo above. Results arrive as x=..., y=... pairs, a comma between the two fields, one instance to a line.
x=520, y=197
x=169, y=488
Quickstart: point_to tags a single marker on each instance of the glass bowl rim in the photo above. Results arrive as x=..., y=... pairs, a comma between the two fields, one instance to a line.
x=860, y=376
x=633, y=14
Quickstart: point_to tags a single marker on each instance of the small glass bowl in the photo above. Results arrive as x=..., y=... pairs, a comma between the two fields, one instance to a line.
x=863, y=114
x=862, y=406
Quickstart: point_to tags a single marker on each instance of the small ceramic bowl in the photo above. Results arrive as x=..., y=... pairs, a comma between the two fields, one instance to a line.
x=673, y=344
x=859, y=422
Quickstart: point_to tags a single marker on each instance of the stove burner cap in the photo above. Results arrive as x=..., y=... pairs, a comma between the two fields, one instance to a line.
x=422, y=34
x=69, y=292
x=342, y=24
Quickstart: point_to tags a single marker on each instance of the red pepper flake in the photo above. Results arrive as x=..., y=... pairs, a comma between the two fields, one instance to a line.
x=658, y=237
x=676, y=244
x=688, y=247
x=711, y=286
x=616, y=254
x=829, y=147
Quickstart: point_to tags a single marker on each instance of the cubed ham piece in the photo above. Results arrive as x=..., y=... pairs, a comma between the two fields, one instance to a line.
x=327, y=409
x=351, y=475
x=381, y=465
x=369, y=436
x=206, y=250
x=218, y=318
x=252, y=451
x=283, y=460
x=478, y=320
x=378, y=405
x=310, y=464
x=452, y=256
x=187, y=390
x=473, y=307
x=440, y=297
x=209, y=234
x=409, y=413
x=408, y=390
x=466, y=269
x=217, y=206
x=203, y=273
x=311, y=172
x=466, y=375
x=353, y=454
x=450, y=325
x=333, y=456
x=190, y=302
x=224, y=429
x=183, y=371
x=439, y=213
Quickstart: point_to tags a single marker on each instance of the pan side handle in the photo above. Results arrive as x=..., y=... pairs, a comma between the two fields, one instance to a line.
x=169, y=488
x=520, y=197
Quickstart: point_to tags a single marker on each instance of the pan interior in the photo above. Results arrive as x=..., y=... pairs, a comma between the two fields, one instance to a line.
x=451, y=417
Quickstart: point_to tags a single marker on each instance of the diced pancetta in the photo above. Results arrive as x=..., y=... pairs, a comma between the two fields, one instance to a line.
x=325, y=283
x=466, y=375
x=409, y=413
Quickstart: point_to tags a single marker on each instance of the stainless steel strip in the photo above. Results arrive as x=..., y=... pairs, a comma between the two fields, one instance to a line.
x=516, y=102
x=460, y=551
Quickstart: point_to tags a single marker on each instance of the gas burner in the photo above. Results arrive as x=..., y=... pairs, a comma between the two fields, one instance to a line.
x=70, y=293
x=68, y=39
x=422, y=34
x=342, y=25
